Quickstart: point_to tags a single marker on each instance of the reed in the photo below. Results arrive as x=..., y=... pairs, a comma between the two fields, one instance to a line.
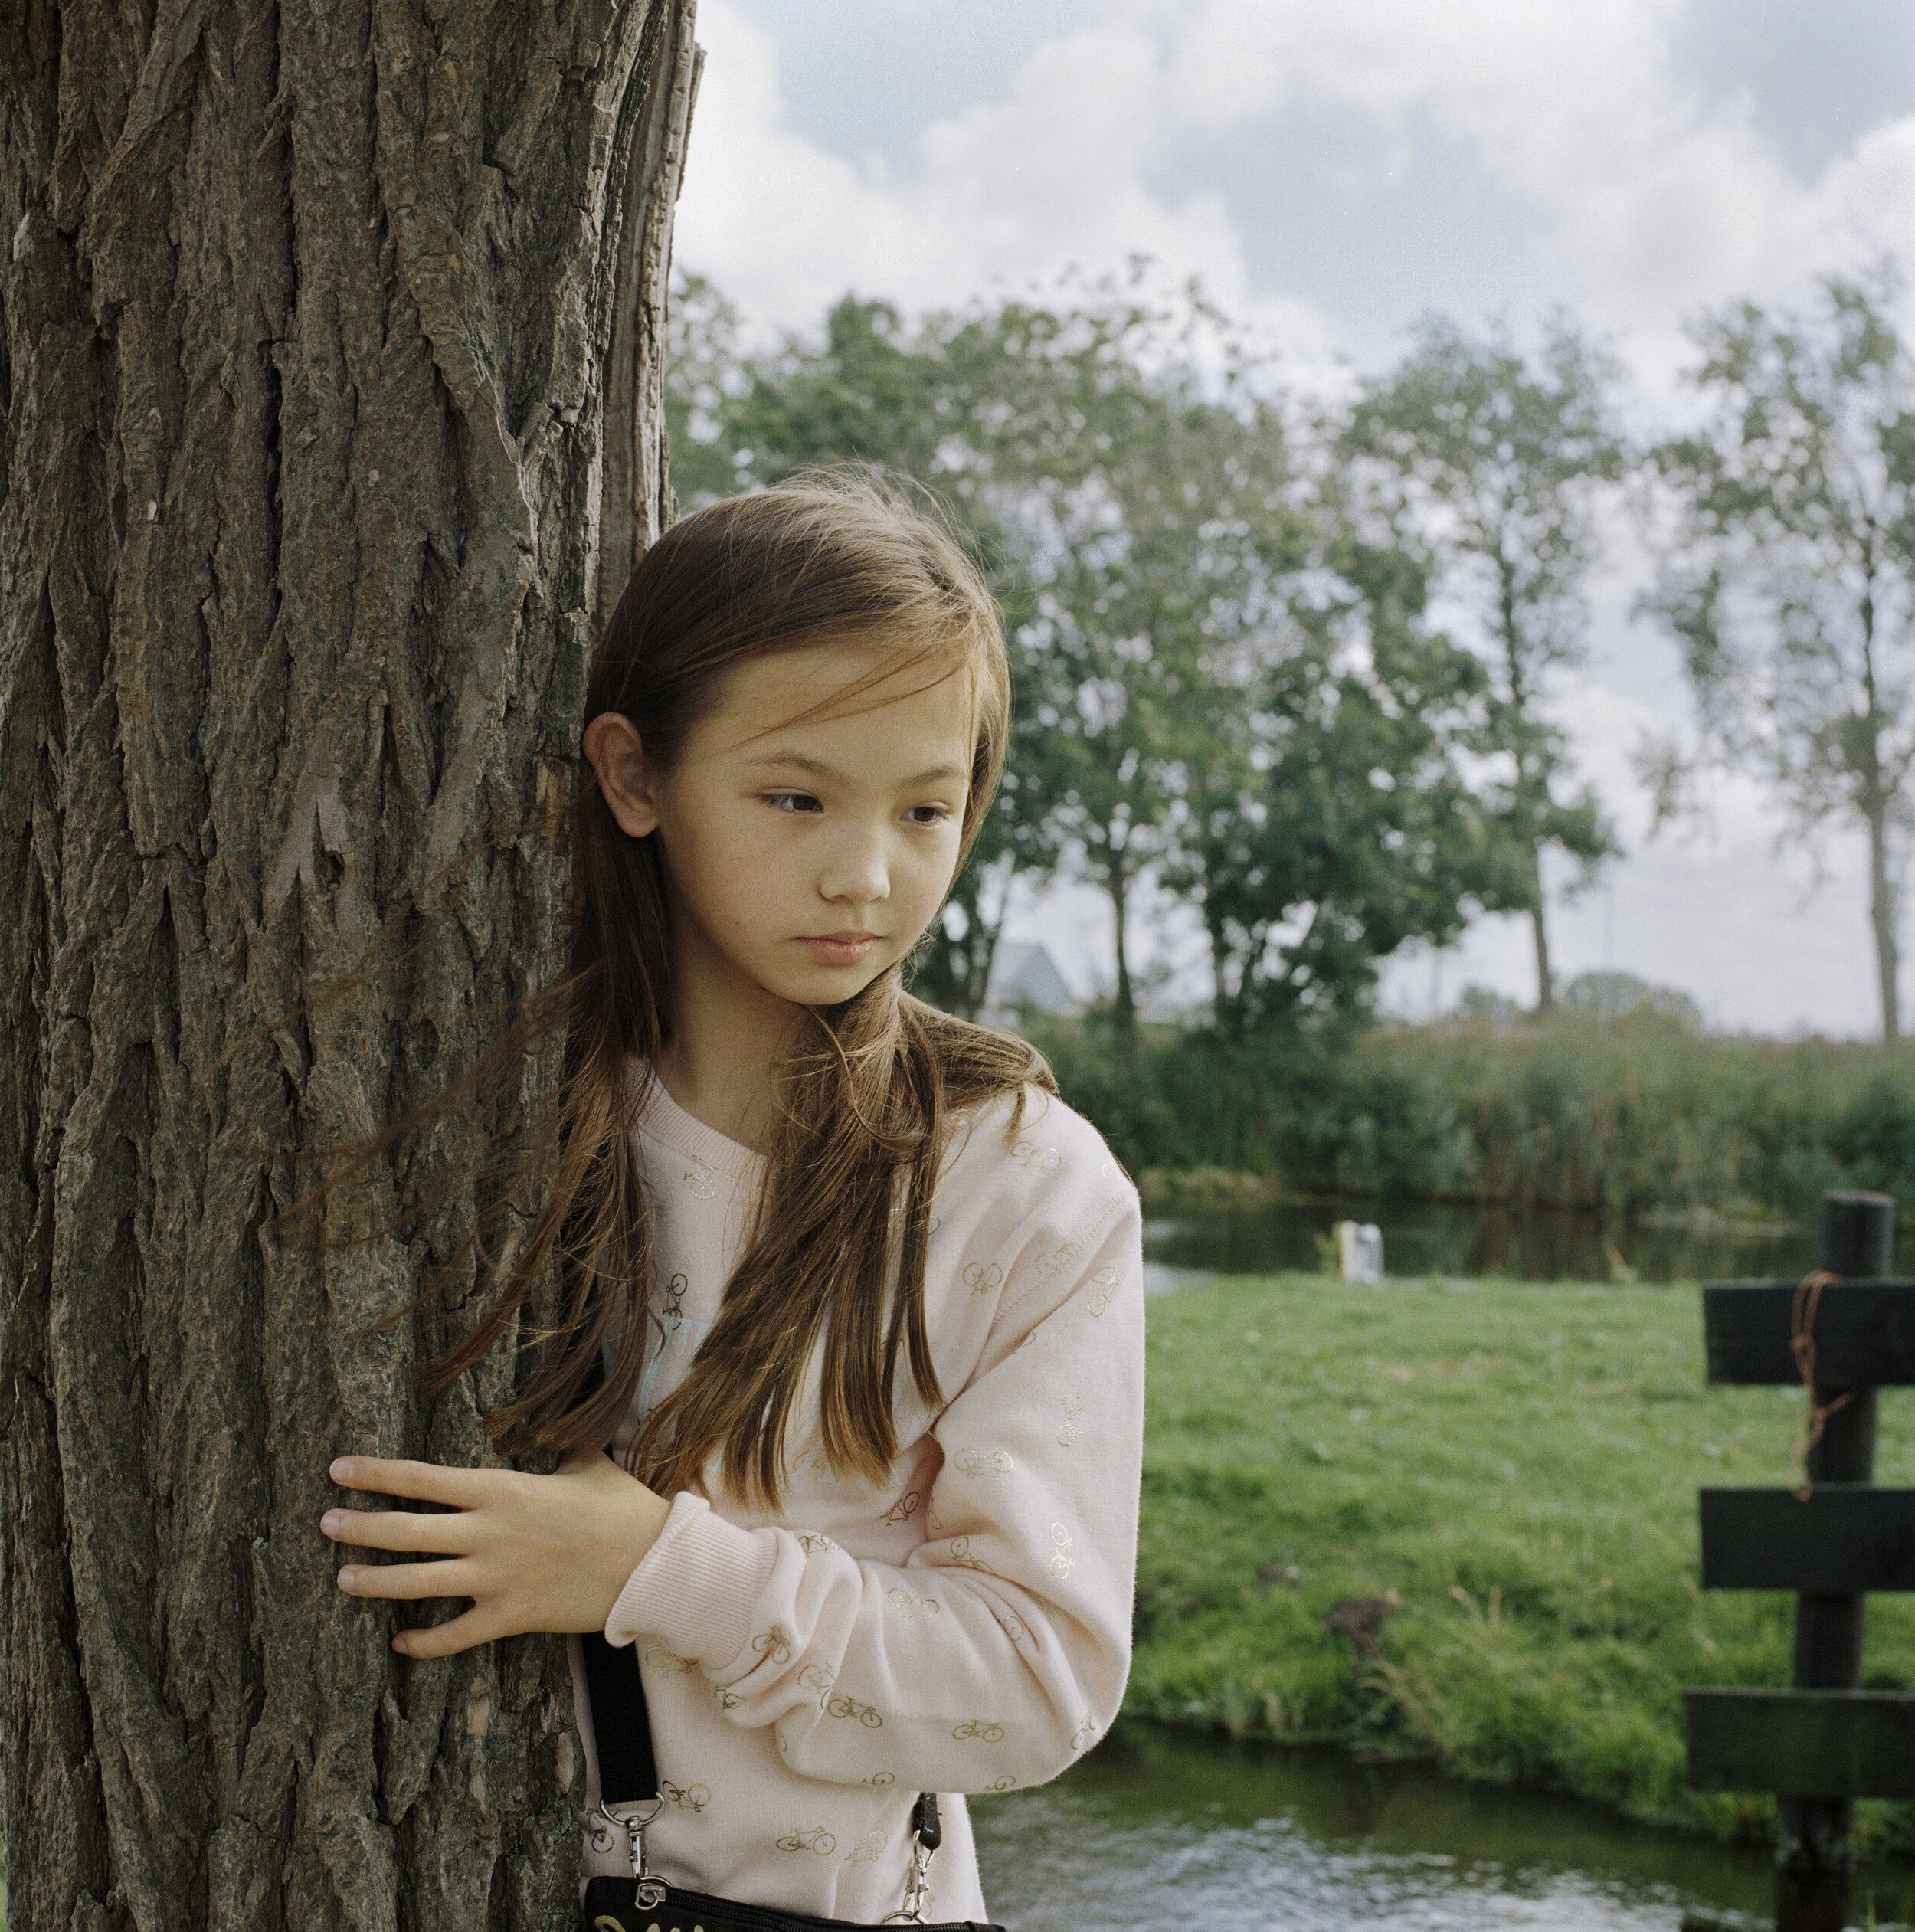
x=1632, y=1115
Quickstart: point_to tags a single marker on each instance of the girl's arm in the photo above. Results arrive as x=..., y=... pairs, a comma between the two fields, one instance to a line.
x=533, y=1553
x=997, y=1652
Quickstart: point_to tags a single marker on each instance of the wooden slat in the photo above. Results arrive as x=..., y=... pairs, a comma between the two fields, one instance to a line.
x=1847, y=1538
x=1803, y=1743
x=1864, y=1333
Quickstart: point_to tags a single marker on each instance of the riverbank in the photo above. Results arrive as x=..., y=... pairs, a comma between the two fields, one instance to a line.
x=1517, y=1462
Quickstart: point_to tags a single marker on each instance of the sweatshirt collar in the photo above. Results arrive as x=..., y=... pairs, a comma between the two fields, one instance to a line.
x=666, y=1122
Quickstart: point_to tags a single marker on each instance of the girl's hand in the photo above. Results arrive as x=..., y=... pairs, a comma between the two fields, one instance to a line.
x=533, y=1553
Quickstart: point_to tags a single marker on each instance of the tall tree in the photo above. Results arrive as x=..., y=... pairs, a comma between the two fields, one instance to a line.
x=1155, y=568
x=1337, y=820
x=329, y=350
x=1498, y=461
x=1790, y=574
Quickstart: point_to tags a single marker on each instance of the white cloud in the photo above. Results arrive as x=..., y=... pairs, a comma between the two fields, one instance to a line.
x=1536, y=87
x=1009, y=193
x=781, y=225
x=1649, y=201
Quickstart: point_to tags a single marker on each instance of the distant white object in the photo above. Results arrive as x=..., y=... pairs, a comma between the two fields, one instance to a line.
x=1023, y=974
x=1359, y=1249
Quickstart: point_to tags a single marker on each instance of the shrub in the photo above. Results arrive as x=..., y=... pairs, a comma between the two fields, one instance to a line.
x=1627, y=1112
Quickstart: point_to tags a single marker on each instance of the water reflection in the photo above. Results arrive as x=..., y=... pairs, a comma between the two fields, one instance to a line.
x=1442, y=1238
x=1161, y=1828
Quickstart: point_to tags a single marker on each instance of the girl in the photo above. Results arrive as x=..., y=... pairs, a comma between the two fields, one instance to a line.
x=854, y=1298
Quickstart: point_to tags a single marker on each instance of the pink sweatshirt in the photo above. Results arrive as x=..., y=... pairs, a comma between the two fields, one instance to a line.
x=963, y=1626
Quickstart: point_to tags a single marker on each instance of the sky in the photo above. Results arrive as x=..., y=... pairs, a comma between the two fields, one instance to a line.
x=1332, y=170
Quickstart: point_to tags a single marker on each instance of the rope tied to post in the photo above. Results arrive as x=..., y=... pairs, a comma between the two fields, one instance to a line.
x=1802, y=1343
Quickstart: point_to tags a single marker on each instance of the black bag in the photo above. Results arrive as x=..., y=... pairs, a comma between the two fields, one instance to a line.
x=611, y=1905
x=628, y=1775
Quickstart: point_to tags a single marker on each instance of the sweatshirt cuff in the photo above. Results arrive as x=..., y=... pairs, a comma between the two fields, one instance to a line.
x=695, y=1589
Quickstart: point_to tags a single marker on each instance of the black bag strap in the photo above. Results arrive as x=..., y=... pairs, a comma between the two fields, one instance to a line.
x=621, y=1723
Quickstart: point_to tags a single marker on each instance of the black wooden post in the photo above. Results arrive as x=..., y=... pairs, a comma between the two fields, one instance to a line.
x=1811, y=1882
x=1824, y=1741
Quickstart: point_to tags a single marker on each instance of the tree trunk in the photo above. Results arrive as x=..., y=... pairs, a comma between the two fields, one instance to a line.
x=1225, y=1011
x=329, y=364
x=1882, y=908
x=1882, y=917
x=1124, y=1001
x=953, y=970
x=1531, y=789
x=1545, y=980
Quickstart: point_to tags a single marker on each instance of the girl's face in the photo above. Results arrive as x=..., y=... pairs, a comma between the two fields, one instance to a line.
x=807, y=847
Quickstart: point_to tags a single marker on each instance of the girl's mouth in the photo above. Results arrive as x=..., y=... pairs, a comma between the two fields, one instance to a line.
x=841, y=948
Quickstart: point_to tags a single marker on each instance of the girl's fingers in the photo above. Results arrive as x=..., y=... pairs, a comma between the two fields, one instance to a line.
x=445, y=1639
x=407, y=1579
x=396, y=1529
x=426, y=1482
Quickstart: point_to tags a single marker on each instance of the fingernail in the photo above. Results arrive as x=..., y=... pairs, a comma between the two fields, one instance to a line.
x=401, y=1646
x=342, y=1470
x=348, y=1578
x=329, y=1522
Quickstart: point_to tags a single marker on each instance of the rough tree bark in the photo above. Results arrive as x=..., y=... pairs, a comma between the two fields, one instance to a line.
x=329, y=357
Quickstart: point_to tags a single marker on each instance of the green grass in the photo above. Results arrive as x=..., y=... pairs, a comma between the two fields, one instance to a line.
x=1520, y=1463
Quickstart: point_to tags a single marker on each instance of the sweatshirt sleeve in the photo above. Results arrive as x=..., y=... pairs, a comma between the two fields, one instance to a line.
x=997, y=1652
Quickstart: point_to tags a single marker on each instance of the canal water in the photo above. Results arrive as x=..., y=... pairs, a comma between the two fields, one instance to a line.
x=1162, y=1828
x=1442, y=1238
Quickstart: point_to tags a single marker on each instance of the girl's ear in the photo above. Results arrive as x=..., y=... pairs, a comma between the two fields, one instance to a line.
x=612, y=745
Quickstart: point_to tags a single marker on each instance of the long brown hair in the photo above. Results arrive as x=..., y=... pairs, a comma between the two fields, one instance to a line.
x=834, y=1271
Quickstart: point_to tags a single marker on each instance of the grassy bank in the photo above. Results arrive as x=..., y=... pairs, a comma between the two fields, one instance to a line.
x=1519, y=1464
x=1637, y=1112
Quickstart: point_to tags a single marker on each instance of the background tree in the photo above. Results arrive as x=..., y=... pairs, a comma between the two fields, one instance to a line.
x=1148, y=515
x=331, y=362
x=1497, y=463
x=1125, y=515
x=1347, y=825
x=1220, y=684
x=1790, y=575
x=873, y=392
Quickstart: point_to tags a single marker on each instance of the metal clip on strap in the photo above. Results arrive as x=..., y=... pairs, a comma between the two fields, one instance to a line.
x=650, y=1891
x=627, y=1772
x=927, y=1834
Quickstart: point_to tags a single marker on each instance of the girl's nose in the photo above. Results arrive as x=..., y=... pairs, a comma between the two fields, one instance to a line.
x=857, y=874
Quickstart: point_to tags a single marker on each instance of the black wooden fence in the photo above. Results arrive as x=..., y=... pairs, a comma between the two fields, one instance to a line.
x=1845, y=1332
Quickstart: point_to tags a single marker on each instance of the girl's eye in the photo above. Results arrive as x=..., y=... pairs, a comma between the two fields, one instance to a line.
x=928, y=814
x=792, y=801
